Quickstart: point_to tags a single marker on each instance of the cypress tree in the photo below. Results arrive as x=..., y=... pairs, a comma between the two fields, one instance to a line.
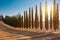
x=41, y=17
x=24, y=19
x=51, y=18
x=19, y=20
x=55, y=16
x=29, y=18
x=32, y=19
x=36, y=19
x=46, y=17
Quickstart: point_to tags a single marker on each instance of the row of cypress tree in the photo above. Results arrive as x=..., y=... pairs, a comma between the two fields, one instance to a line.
x=28, y=20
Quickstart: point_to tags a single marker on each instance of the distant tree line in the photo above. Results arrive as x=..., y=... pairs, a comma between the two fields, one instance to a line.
x=13, y=21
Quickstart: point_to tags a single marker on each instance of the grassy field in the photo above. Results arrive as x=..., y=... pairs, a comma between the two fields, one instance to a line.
x=10, y=33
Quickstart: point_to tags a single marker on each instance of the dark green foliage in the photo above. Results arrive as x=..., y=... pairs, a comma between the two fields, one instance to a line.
x=27, y=21
x=9, y=20
x=13, y=21
x=29, y=18
x=1, y=18
x=32, y=19
x=22, y=22
x=36, y=19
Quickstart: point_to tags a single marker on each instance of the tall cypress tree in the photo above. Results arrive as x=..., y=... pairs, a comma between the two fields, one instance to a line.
x=55, y=16
x=29, y=18
x=41, y=17
x=46, y=17
x=51, y=18
x=24, y=19
x=32, y=19
x=19, y=20
x=36, y=18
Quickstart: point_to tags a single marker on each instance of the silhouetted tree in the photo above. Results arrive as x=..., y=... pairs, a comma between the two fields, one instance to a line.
x=1, y=17
x=55, y=16
x=24, y=19
x=36, y=19
x=46, y=16
x=19, y=21
x=13, y=21
x=29, y=18
x=51, y=17
x=32, y=19
x=41, y=17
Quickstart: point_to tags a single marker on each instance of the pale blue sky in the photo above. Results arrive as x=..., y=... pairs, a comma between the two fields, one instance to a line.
x=13, y=7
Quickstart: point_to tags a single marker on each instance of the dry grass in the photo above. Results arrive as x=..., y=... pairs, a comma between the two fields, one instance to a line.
x=9, y=36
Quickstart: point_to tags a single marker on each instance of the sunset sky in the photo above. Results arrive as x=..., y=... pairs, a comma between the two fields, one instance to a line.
x=13, y=7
